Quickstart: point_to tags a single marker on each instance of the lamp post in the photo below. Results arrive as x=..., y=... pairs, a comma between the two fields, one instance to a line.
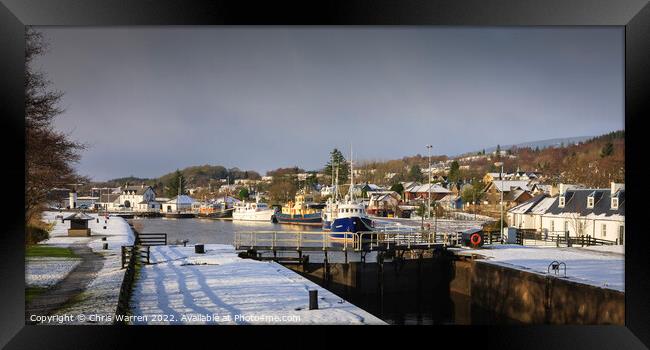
x=501, y=203
x=429, y=190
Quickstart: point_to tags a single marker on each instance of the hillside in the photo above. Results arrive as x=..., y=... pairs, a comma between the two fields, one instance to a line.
x=592, y=161
x=541, y=144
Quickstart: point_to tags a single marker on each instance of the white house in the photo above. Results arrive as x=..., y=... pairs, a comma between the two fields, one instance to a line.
x=599, y=213
x=138, y=198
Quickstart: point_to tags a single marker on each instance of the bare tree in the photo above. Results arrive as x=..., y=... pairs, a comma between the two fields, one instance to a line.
x=578, y=223
x=49, y=154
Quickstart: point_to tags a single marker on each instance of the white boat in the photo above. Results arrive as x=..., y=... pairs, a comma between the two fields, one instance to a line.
x=253, y=212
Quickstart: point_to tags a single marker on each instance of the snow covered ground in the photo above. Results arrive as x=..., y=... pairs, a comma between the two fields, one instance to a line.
x=602, y=266
x=45, y=272
x=100, y=298
x=218, y=287
x=443, y=225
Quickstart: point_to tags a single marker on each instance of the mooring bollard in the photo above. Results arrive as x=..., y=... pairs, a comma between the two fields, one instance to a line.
x=104, y=227
x=97, y=220
x=199, y=248
x=105, y=246
x=103, y=238
x=313, y=299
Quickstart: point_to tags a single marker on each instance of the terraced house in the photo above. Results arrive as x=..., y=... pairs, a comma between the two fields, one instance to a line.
x=599, y=213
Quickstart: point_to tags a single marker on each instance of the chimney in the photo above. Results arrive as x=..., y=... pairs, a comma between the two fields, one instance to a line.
x=143, y=185
x=562, y=189
x=613, y=187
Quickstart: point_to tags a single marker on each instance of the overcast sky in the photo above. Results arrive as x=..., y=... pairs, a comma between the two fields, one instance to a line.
x=148, y=100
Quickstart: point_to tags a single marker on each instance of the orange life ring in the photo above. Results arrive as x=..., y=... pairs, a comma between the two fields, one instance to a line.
x=475, y=239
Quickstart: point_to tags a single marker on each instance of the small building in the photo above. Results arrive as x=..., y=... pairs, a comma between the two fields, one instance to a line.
x=383, y=203
x=182, y=203
x=108, y=202
x=78, y=224
x=422, y=192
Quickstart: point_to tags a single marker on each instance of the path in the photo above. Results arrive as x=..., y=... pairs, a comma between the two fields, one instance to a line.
x=71, y=286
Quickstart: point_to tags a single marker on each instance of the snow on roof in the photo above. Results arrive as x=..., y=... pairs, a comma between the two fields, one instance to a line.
x=435, y=188
x=182, y=199
x=508, y=185
x=543, y=205
x=78, y=216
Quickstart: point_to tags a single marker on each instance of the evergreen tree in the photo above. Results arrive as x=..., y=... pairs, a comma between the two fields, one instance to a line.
x=415, y=173
x=176, y=180
x=607, y=150
x=243, y=194
x=336, y=160
x=397, y=188
x=454, y=172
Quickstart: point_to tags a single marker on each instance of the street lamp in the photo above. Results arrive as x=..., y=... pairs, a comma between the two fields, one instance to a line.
x=501, y=205
x=429, y=190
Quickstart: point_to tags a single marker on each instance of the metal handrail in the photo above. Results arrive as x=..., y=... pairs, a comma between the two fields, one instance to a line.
x=354, y=241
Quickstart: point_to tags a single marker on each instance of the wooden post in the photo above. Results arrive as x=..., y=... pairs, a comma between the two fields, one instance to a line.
x=313, y=299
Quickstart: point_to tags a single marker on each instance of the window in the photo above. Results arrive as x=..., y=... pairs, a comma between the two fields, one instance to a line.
x=552, y=225
x=566, y=226
x=603, y=230
x=590, y=202
x=614, y=203
x=561, y=203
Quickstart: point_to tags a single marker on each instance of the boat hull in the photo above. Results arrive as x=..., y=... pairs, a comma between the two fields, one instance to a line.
x=308, y=219
x=217, y=214
x=265, y=215
x=342, y=227
x=180, y=215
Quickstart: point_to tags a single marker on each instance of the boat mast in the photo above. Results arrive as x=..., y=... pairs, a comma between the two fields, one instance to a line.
x=351, y=191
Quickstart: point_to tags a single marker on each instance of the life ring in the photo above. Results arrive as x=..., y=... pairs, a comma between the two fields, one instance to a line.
x=475, y=239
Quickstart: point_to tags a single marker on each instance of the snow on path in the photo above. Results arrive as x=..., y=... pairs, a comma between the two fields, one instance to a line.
x=598, y=267
x=218, y=287
x=45, y=272
x=100, y=297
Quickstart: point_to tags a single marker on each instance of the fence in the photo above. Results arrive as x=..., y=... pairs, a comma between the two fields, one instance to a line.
x=127, y=282
x=557, y=238
x=151, y=239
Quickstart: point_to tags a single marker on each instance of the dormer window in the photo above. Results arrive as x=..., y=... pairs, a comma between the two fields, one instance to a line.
x=590, y=202
x=561, y=203
x=614, y=202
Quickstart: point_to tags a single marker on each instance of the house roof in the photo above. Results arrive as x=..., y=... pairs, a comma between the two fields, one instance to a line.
x=514, y=195
x=182, y=199
x=435, y=188
x=139, y=190
x=509, y=185
x=109, y=198
x=575, y=202
x=79, y=216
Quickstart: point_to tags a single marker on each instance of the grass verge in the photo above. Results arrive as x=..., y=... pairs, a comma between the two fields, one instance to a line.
x=48, y=251
x=31, y=292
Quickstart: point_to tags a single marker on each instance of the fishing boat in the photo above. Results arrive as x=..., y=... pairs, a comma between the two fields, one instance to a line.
x=300, y=212
x=351, y=217
x=215, y=211
x=256, y=211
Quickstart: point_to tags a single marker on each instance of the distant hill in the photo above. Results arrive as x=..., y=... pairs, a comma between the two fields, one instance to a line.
x=542, y=144
x=200, y=175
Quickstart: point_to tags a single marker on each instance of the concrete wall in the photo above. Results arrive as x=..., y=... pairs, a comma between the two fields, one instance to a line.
x=468, y=292
x=534, y=298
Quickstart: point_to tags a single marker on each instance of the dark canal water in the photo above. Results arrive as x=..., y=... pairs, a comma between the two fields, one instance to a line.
x=397, y=302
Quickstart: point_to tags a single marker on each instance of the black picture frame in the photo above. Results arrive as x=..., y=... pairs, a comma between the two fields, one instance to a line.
x=633, y=15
